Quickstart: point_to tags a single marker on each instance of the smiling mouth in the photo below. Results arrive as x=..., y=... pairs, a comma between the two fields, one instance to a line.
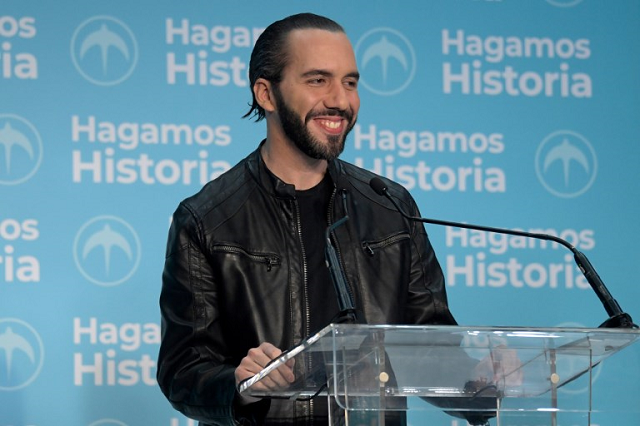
x=331, y=126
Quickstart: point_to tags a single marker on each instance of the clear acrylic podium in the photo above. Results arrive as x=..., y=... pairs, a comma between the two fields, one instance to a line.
x=369, y=373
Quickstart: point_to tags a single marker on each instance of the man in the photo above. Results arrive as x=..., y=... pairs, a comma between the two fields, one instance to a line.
x=245, y=277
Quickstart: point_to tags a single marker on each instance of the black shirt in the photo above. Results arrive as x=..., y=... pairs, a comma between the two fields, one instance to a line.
x=314, y=207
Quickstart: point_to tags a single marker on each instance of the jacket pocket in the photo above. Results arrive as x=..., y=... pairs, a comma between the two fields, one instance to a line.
x=370, y=247
x=268, y=259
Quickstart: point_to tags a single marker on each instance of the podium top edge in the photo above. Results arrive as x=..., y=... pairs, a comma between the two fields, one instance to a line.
x=515, y=330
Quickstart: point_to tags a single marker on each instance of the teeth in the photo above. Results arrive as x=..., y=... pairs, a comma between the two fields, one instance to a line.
x=331, y=124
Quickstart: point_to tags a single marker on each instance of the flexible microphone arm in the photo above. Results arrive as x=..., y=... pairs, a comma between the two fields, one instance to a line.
x=617, y=318
x=345, y=303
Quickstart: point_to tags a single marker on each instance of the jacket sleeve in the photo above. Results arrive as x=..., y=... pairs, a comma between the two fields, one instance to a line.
x=194, y=372
x=428, y=302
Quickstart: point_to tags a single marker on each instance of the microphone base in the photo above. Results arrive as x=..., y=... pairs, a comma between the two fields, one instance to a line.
x=347, y=316
x=622, y=320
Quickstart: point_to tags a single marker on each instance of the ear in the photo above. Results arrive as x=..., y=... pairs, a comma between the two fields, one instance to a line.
x=263, y=91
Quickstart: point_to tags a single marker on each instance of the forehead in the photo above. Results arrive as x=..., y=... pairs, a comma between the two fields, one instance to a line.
x=320, y=49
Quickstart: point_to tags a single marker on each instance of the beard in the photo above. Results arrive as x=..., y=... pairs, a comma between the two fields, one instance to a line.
x=298, y=132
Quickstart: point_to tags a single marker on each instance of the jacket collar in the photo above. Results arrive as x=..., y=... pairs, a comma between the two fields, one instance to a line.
x=275, y=185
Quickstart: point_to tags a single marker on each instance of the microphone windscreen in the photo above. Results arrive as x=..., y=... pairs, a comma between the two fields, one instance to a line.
x=378, y=185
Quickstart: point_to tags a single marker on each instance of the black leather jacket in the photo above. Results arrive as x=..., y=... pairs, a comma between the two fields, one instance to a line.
x=235, y=277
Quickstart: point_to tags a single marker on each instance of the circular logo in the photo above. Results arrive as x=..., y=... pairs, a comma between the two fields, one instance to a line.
x=566, y=164
x=387, y=61
x=107, y=422
x=564, y=3
x=107, y=251
x=21, y=352
x=20, y=149
x=104, y=50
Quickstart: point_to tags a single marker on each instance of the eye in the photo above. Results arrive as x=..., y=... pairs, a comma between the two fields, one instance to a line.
x=317, y=81
x=351, y=84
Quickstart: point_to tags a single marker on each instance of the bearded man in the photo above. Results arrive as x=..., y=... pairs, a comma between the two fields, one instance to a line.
x=245, y=276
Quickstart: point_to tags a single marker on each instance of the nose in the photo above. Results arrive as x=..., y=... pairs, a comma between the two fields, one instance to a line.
x=337, y=98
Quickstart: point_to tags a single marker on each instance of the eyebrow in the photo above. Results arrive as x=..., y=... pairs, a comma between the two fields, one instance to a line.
x=325, y=73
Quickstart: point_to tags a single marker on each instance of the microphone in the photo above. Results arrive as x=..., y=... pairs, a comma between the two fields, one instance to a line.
x=617, y=318
x=347, y=309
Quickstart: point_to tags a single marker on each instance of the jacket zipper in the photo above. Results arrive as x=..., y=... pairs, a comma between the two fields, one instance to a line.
x=307, y=316
x=270, y=260
x=304, y=269
x=369, y=246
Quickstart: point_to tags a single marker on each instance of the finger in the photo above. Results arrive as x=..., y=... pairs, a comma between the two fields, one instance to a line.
x=248, y=368
x=265, y=384
x=258, y=358
x=284, y=374
x=270, y=350
x=276, y=379
x=281, y=376
x=287, y=373
x=262, y=356
x=251, y=364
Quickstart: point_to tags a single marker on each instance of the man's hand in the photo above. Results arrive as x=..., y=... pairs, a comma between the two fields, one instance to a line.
x=501, y=367
x=257, y=359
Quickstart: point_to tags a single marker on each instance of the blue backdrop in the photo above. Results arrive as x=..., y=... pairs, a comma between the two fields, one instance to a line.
x=514, y=113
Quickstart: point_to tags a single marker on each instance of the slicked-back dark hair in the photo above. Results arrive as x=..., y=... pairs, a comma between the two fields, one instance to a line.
x=270, y=54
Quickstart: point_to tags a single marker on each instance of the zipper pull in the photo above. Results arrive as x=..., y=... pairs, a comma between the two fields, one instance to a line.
x=368, y=249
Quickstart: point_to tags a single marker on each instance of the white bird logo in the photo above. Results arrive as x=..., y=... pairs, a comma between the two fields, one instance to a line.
x=384, y=50
x=107, y=238
x=104, y=38
x=566, y=152
x=10, y=342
